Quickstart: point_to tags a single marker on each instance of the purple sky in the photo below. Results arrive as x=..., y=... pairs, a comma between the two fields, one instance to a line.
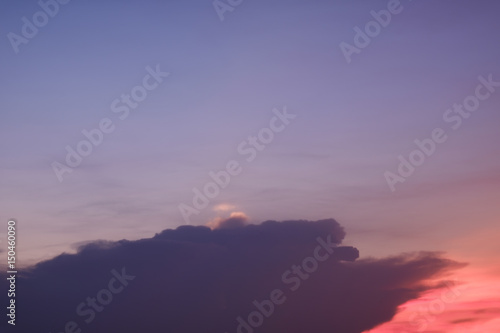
x=225, y=79
x=353, y=120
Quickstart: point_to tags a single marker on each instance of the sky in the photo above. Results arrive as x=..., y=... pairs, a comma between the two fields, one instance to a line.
x=119, y=120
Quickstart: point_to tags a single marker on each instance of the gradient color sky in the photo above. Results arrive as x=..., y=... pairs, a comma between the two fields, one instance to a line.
x=225, y=79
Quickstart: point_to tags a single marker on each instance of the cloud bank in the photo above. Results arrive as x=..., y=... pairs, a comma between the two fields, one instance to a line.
x=290, y=276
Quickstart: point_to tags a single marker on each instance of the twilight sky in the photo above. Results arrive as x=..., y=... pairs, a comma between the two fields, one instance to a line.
x=267, y=102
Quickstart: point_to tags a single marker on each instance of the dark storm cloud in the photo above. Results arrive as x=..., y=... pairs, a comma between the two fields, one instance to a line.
x=194, y=279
